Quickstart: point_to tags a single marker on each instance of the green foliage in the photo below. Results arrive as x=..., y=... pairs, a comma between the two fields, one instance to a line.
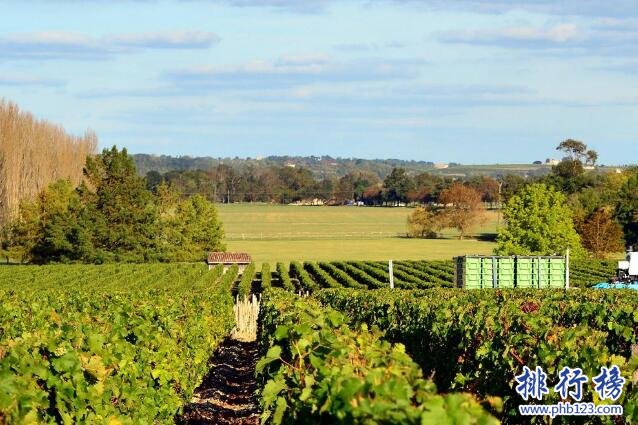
x=321, y=371
x=539, y=222
x=123, y=212
x=479, y=341
x=47, y=227
x=266, y=277
x=297, y=270
x=320, y=276
x=627, y=208
x=569, y=175
x=424, y=223
x=360, y=276
x=429, y=274
x=577, y=151
x=381, y=274
x=112, y=217
x=246, y=282
x=295, y=182
x=398, y=184
x=284, y=278
x=510, y=185
x=340, y=276
x=119, y=344
x=568, y=169
x=584, y=273
x=191, y=231
x=153, y=180
x=353, y=185
x=230, y=276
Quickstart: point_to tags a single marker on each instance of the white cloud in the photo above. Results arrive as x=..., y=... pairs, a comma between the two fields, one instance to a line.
x=604, y=38
x=521, y=36
x=293, y=71
x=51, y=45
x=613, y=8
x=29, y=81
x=557, y=34
x=299, y=6
x=166, y=40
x=75, y=46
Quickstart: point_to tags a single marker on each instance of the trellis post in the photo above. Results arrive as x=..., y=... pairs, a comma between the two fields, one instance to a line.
x=567, y=269
x=391, y=271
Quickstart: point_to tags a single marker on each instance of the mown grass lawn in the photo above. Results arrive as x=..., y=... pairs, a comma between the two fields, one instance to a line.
x=273, y=233
x=359, y=249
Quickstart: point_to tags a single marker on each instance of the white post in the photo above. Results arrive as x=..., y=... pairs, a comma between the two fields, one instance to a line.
x=391, y=274
x=567, y=269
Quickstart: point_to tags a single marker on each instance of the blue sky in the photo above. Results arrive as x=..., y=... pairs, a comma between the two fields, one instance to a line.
x=471, y=81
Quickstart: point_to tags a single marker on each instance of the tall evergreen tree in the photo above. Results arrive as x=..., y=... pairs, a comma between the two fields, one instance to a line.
x=111, y=217
x=124, y=206
x=59, y=205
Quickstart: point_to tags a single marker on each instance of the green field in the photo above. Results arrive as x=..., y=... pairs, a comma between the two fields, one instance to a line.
x=152, y=355
x=272, y=233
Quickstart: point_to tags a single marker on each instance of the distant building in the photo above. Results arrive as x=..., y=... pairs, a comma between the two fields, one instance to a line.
x=228, y=259
x=441, y=166
x=314, y=201
x=550, y=161
x=290, y=164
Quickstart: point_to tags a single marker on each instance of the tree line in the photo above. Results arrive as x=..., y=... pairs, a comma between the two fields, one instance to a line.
x=110, y=216
x=589, y=213
x=33, y=154
x=285, y=184
x=319, y=166
x=113, y=214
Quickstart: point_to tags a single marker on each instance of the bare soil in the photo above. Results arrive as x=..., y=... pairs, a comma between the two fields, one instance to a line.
x=227, y=394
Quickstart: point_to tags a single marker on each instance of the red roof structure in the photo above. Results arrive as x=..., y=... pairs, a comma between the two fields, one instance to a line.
x=229, y=258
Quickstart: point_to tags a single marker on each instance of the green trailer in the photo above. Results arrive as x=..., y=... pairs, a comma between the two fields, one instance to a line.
x=541, y=272
x=479, y=271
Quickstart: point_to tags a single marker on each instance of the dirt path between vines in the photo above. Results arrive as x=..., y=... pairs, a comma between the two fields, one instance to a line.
x=227, y=393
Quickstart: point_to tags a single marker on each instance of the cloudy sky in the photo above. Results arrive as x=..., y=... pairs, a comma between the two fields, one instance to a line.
x=472, y=81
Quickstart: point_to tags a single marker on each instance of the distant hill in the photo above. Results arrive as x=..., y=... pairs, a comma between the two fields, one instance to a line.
x=327, y=166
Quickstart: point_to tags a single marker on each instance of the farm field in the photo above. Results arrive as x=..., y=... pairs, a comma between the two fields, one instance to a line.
x=134, y=341
x=116, y=343
x=467, y=340
x=273, y=233
x=355, y=249
x=309, y=276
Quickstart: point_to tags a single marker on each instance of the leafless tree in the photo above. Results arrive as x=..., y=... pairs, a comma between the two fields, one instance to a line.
x=35, y=153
